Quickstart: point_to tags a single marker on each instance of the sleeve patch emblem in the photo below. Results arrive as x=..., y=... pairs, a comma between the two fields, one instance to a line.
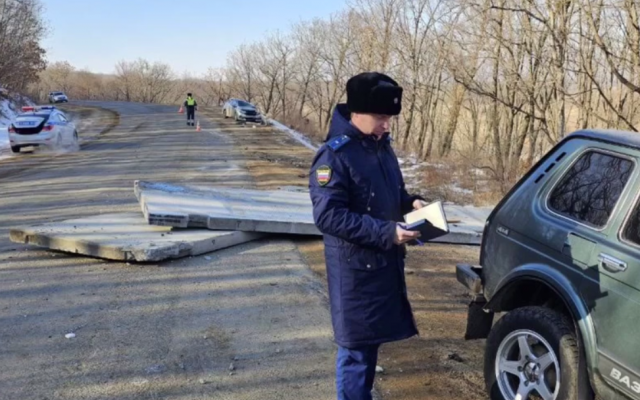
x=323, y=175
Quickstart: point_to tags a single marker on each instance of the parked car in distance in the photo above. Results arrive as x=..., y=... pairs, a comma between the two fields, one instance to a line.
x=241, y=111
x=58, y=97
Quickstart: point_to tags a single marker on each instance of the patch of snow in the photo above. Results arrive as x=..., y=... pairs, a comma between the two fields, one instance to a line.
x=411, y=168
x=294, y=134
x=4, y=138
x=455, y=187
x=7, y=113
x=478, y=172
x=436, y=165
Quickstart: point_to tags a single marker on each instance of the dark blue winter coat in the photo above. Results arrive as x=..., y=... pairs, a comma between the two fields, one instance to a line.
x=358, y=195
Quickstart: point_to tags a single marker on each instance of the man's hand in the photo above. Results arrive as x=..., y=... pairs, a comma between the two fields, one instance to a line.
x=404, y=236
x=418, y=204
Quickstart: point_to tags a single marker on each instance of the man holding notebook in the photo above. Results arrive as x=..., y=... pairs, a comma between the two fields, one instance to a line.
x=359, y=200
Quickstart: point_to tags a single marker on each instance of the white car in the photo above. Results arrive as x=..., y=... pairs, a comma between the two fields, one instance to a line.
x=58, y=97
x=41, y=126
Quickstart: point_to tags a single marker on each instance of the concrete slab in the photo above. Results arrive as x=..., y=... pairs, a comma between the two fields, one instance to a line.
x=466, y=224
x=127, y=237
x=220, y=208
x=287, y=210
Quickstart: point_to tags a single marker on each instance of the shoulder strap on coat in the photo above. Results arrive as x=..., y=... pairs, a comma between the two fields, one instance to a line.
x=338, y=142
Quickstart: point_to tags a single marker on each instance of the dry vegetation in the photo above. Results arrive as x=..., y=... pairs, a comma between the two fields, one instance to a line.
x=489, y=84
x=22, y=58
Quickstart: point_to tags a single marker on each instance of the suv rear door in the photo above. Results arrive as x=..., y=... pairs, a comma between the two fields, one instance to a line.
x=589, y=200
x=595, y=192
x=613, y=286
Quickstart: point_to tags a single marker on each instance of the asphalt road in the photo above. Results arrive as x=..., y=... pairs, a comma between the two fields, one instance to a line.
x=249, y=322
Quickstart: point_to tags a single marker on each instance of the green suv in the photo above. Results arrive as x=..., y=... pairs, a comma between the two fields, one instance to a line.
x=560, y=257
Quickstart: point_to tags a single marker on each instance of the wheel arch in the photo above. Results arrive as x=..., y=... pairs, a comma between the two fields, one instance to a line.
x=537, y=284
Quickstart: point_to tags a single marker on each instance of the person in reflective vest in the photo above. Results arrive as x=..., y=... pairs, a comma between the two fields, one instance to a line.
x=191, y=105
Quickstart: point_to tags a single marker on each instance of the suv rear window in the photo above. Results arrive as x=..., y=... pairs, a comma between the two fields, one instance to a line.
x=590, y=189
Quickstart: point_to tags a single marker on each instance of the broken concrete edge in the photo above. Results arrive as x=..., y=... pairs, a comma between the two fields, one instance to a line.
x=276, y=227
x=201, y=191
x=175, y=220
x=138, y=185
x=170, y=219
x=27, y=236
x=179, y=249
x=458, y=235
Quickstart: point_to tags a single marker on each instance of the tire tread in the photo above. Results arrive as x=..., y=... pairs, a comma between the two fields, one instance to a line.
x=559, y=326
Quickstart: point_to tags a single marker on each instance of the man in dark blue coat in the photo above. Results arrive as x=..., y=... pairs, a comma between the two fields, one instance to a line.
x=359, y=198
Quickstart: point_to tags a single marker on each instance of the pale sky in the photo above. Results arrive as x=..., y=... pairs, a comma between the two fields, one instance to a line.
x=188, y=35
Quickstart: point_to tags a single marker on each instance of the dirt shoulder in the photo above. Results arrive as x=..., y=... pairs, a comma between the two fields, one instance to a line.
x=91, y=121
x=273, y=158
x=439, y=364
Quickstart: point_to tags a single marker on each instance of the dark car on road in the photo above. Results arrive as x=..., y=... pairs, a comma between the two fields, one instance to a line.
x=560, y=263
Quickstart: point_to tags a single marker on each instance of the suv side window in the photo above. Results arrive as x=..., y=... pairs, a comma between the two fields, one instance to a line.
x=590, y=189
x=631, y=232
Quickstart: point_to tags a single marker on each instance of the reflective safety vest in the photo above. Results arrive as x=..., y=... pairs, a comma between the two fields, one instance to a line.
x=191, y=101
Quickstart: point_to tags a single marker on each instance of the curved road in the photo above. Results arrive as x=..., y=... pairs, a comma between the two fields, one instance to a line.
x=167, y=331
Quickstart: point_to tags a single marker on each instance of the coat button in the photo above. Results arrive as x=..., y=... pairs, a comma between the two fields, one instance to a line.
x=368, y=208
x=368, y=265
x=373, y=194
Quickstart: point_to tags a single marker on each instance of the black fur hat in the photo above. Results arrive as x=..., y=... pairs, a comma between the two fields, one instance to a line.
x=374, y=93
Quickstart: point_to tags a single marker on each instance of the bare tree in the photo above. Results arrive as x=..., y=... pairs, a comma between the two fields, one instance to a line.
x=416, y=25
x=242, y=70
x=59, y=76
x=215, y=87
x=125, y=76
x=306, y=61
x=337, y=50
x=22, y=57
x=492, y=82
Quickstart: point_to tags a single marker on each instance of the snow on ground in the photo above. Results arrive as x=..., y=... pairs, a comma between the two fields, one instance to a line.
x=6, y=112
x=294, y=134
x=6, y=115
x=410, y=166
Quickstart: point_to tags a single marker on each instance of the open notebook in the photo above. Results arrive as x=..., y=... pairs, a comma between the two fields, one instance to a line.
x=430, y=220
